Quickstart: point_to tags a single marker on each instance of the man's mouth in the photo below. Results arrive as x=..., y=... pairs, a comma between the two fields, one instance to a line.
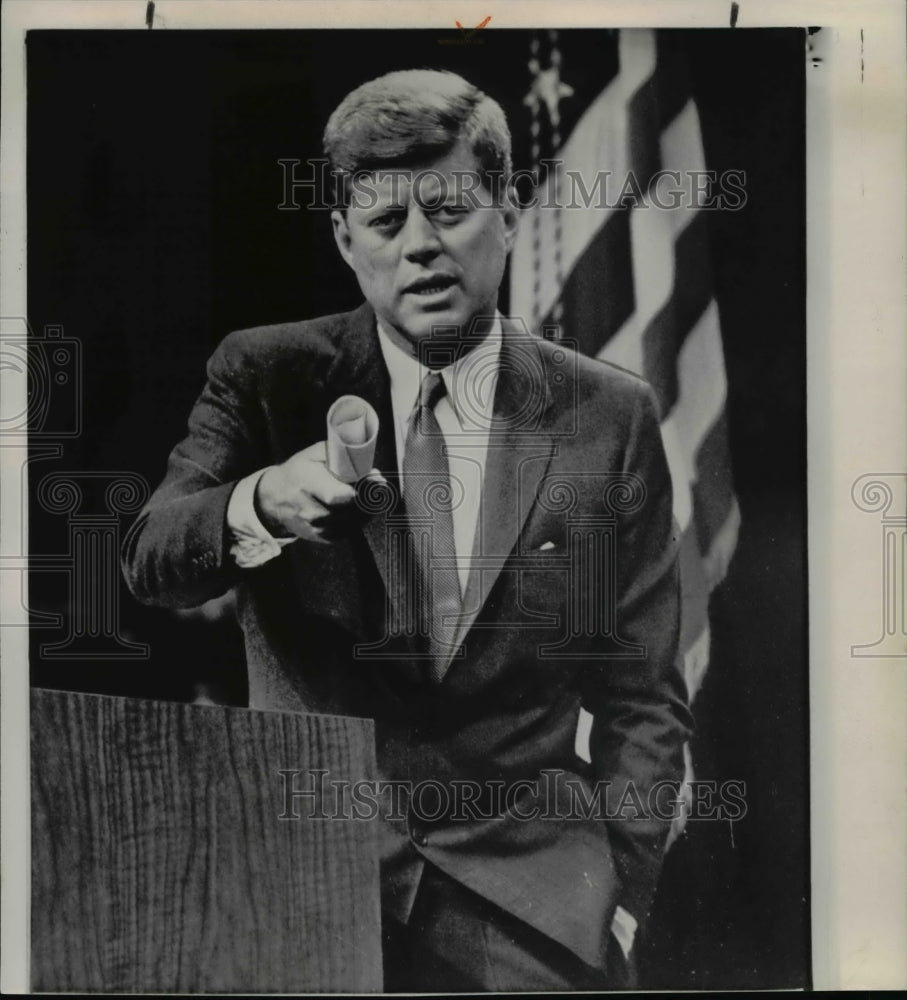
x=430, y=285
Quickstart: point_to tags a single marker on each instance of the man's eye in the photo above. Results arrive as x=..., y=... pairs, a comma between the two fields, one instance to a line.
x=451, y=214
x=388, y=220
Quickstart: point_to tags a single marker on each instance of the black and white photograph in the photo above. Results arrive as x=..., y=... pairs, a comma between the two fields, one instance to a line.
x=414, y=539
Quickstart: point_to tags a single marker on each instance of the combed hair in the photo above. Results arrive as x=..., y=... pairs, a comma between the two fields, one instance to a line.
x=413, y=116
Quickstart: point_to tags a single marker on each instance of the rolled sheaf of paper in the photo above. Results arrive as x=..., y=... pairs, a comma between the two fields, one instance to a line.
x=351, y=436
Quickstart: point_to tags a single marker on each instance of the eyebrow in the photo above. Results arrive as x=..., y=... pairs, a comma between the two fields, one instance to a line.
x=379, y=208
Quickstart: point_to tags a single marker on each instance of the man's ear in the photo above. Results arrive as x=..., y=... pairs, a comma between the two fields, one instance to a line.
x=342, y=235
x=510, y=213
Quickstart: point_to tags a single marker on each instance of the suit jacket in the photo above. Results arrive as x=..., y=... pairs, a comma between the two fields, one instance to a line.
x=572, y=603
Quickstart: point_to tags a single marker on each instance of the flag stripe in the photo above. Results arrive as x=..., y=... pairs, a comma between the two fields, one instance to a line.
x=581, y=744
x=690, y=295
x=693, y=271
x=645, y=150
x=712, y=493
x=694, y=591
x=681, y=471
x=696, y=662
x=681, y=143
x=718, y=557
x=598, y=293
x=702, y=382
x=652, y=256
x=674, y=85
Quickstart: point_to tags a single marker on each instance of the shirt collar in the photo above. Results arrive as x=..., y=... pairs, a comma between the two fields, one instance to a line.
x=470, y=381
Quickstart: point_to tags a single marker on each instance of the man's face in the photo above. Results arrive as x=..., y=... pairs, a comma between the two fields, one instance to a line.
x=426, y=252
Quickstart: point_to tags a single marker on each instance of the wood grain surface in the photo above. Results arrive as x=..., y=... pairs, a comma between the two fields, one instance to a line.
x=160, y=862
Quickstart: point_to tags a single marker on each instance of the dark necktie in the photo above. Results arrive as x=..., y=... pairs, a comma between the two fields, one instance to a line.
x=427, y=497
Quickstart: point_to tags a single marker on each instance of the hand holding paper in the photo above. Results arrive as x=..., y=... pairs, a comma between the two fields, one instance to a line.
x=312, y=494
x=352, y=431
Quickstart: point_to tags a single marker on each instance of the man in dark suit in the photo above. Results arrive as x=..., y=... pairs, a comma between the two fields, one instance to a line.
x=500, y=593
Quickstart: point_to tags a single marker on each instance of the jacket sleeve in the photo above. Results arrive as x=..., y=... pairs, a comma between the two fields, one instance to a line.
x=177, y=553
x=639, y=702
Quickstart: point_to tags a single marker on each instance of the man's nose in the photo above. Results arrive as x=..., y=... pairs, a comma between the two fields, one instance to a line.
x=420, y=239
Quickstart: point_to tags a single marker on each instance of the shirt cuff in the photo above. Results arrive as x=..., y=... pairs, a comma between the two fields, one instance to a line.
x=623, y=927
x=252, y=544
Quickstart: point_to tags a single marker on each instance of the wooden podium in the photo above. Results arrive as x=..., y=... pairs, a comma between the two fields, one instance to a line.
x=160, y=861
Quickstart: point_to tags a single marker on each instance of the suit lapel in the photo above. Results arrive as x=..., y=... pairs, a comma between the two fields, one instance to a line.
x=520, y=447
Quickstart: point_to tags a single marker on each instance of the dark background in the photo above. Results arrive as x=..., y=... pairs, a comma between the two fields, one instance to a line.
x=153, y=231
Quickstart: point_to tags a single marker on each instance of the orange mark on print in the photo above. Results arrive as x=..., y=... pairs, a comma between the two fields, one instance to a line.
x=477, y=28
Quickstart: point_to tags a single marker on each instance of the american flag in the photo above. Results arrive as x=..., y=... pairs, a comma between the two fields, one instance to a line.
x=631, y=282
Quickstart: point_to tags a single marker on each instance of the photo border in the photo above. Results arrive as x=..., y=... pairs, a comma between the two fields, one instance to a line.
x=857, y=359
